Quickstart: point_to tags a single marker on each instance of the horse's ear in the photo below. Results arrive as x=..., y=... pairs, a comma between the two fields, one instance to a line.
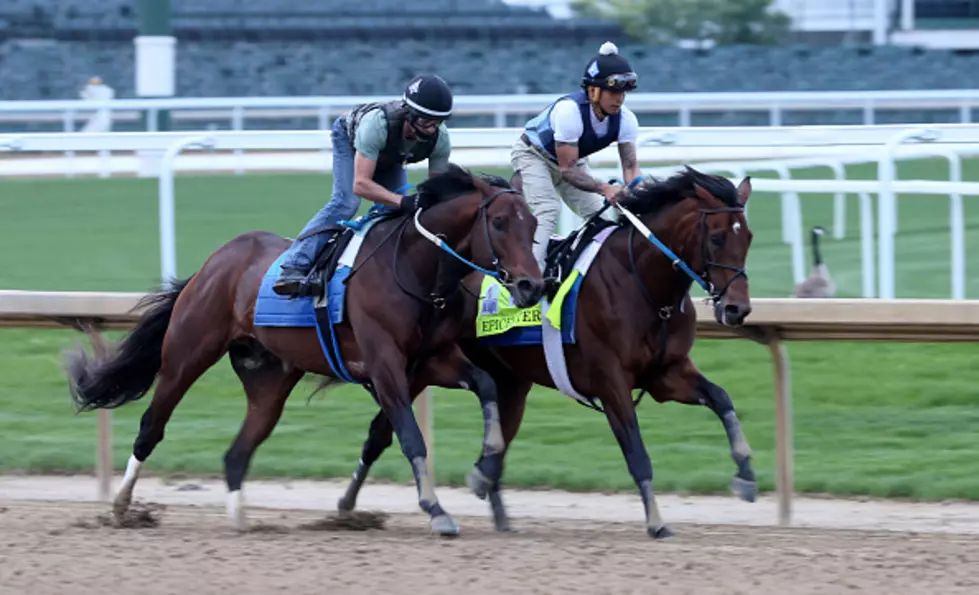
x=484, y=188
x=516, y=181
x=744, y=190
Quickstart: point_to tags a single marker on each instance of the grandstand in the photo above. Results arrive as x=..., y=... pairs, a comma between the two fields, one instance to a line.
x=49, y=48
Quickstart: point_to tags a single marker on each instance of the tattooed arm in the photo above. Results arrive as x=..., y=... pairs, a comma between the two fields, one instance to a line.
x=567, y=156
x=630, y=162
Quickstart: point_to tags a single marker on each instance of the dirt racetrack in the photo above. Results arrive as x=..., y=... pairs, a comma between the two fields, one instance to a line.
x=51, y=541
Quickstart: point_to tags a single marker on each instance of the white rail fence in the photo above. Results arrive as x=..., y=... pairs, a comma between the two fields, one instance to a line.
x=772, y=322
x=833, y=146
x=238, y=110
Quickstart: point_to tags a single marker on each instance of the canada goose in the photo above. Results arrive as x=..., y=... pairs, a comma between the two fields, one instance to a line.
x=818, y=284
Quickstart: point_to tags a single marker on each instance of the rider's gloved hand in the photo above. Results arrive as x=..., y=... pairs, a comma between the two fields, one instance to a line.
x=409, y=203
x=412, y=202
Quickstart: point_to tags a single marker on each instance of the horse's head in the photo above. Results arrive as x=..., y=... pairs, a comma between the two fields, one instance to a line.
x=701, y=218
x=492, y=223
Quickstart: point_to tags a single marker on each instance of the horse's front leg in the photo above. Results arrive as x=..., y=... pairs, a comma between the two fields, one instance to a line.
x=512, y=395
x=448, y=369
x=683, y=382
x=387, y=365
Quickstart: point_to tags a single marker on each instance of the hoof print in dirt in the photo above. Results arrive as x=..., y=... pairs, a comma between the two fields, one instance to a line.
x=355, y=520
x=138, y=516
x=268, y=528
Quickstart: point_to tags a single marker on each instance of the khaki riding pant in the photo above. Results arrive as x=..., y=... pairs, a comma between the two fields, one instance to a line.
x=544, y=189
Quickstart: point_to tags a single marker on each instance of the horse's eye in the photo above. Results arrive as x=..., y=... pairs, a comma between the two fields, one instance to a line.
x=717, y=239
x=500, y=223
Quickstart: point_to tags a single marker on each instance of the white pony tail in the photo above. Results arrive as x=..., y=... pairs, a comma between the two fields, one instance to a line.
x=608, y=48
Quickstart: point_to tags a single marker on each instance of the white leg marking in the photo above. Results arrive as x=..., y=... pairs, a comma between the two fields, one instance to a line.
x=236, y=510
x=125, y=495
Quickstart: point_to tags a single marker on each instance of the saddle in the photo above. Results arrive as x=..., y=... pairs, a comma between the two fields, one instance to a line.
x=563, y=252
x=325, y=263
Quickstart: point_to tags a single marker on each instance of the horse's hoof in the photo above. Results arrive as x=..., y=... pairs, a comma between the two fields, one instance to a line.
x=505, y=528
x=236, y=512
x=744, y=489
x=345, y=505
x=478, y=483
x=119, y=510
x=661, y=533
x=444, y=526
x=121, y=506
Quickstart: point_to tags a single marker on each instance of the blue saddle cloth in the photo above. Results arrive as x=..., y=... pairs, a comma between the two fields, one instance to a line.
x=319, y=312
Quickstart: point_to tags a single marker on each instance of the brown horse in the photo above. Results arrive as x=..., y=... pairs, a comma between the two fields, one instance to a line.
x=635, y=326
x=396, y=338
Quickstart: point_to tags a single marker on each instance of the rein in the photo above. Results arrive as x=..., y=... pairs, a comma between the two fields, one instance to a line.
x=499, y=273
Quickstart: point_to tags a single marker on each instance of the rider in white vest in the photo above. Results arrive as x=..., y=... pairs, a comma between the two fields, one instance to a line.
x=550, y=154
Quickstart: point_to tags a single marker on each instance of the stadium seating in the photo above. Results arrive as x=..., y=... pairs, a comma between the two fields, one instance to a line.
x=49, y=48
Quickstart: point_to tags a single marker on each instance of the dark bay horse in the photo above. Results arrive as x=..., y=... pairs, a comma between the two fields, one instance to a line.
x=395, y=338
x=635, y=324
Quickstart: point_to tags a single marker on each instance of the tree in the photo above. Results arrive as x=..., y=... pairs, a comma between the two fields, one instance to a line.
x=725, y=22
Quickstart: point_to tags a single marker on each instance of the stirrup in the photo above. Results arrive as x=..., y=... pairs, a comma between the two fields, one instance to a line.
x=296, y=286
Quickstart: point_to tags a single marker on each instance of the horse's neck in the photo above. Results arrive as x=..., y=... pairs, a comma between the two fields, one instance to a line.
x=664, y=284
x=451, y=221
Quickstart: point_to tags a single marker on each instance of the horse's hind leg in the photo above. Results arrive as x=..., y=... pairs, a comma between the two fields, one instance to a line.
x=684, y=383
x=268, y=382
x=187, y=354
x=622, y=419
x=379, y=438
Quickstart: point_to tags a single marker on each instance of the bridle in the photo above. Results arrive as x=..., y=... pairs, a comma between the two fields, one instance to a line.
x=703, y=279
x=716, y=295
x=498, y=272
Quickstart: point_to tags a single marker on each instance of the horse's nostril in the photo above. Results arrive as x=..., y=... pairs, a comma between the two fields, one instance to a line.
x=736, y=311
x=525, y=286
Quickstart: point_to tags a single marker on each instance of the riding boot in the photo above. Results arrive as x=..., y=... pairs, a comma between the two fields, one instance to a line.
x=291, y=282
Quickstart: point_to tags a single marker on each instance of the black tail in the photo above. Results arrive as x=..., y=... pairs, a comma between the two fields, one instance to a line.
x=113, y=379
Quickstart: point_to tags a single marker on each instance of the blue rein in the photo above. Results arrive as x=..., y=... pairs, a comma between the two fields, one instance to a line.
x=473, y=265
x=446, y=248
x=674, y=259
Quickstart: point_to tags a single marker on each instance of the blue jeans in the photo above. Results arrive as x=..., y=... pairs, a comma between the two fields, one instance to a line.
x=344, y=203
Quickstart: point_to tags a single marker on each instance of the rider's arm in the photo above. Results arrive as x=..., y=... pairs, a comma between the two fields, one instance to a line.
x=628, y=135
x=369, y=141
x=438, y=161
x=568, y=128
x=366, y=187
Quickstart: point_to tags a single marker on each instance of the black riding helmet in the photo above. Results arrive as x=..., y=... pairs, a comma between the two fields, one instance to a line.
x=427, y=97
x=609, y=70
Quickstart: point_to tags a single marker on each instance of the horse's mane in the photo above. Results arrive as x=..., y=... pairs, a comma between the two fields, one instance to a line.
x=455, y=182
x=652, y=195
